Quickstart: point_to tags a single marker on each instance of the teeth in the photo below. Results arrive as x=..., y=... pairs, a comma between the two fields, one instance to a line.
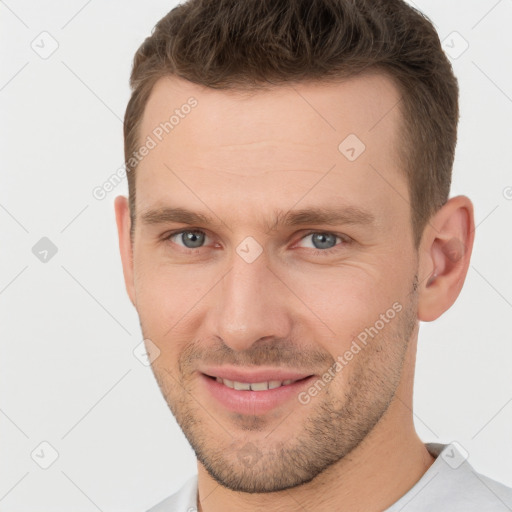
x=242, y=385
x=253, y=386
x=259, y=386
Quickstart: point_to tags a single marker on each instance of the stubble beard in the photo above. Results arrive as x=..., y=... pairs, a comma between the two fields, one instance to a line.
x=288, y=454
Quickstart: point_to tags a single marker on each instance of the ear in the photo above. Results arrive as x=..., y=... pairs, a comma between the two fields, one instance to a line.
x=123, y=222
x=444, y=255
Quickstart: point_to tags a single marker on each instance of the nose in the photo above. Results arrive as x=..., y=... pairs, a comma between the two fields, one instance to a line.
x=251, y=303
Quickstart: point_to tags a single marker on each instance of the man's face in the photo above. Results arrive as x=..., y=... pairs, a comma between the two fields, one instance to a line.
x=251, y=292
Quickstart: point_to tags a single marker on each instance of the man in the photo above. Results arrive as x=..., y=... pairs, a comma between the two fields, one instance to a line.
x=288, y=226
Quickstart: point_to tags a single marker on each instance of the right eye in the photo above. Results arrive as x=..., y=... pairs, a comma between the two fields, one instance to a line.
x=188, y=238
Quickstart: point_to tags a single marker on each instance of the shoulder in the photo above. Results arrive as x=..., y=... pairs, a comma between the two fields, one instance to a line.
x=491, y=494
x=452, y=484
x=183, y=500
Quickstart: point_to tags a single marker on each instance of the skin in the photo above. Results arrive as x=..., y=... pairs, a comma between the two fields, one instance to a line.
x=238, y=157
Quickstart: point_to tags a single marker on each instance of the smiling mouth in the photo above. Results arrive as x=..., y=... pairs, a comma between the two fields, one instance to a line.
x=255, y=386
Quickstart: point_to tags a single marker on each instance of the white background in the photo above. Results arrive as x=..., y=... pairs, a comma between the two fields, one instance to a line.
x=67, y=372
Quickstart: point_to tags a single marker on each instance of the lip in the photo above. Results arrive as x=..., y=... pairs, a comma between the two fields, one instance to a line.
x=260, y=375
x=254, y=402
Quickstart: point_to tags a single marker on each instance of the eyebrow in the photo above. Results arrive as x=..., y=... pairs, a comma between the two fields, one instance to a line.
x=291, y=218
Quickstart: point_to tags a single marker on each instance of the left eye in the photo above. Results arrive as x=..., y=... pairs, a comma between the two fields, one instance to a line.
x=322, y=241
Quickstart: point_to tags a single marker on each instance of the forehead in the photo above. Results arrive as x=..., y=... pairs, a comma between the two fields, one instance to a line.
x=306, y=113
x=271, y=145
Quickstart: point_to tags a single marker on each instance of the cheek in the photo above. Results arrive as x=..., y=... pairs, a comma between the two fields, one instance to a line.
x=341, y=303
x=162, y=315
x=158, y=298
x=155, y=297
x=347, y=294
x=168, y=299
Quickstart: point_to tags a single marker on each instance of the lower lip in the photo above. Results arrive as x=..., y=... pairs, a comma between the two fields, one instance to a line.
x=254, y=402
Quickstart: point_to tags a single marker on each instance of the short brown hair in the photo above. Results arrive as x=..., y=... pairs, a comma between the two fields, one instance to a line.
x=250, y=44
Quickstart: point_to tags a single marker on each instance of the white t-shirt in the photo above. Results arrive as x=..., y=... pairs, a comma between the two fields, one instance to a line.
x=449, y=485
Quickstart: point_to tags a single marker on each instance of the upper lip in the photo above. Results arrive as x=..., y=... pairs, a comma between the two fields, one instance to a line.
x=260, y=375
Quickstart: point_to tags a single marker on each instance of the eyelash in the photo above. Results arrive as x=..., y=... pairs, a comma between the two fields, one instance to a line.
x=317, y=252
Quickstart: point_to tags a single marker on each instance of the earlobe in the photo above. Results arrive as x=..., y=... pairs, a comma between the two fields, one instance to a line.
x=123, y=222
x=445, y=254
